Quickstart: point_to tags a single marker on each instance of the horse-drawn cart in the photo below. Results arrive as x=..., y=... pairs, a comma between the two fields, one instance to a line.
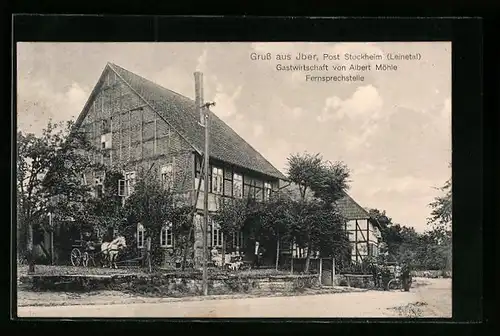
x=83, y=253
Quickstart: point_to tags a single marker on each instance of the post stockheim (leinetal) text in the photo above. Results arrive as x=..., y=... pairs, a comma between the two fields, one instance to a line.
x=300, y=56
x=350, y=67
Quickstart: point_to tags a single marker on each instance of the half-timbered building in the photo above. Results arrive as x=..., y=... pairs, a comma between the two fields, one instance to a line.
x=139, y=125
x=363, y=234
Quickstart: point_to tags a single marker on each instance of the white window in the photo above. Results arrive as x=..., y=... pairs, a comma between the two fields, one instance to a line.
x=140, y=235
x=217, y=235
x=122, y=188
x=129, y=183
x=167, y=176
x=267, y=191
x=166, y=235
x=217, y=180
x=106, y=141
x=238, y=240
x=237, y=185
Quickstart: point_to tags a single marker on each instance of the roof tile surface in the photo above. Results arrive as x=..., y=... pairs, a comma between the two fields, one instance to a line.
x=181, y=113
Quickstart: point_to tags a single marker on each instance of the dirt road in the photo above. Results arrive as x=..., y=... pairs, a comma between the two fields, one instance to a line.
x=430, y=297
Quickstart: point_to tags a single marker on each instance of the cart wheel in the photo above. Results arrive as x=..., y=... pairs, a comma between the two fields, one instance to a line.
x=393, y=284
x=76, y=257
x=85, y=259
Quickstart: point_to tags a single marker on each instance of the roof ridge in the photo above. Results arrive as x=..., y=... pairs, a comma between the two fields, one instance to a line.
x=164, y=88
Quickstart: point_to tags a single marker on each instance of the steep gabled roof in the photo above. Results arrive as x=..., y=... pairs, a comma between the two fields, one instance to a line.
x=350, y=209
x=347, y=206
x=181, y=113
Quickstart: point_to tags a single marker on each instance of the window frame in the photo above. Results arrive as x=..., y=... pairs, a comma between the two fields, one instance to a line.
x=235, y=184
x=140, y=239
x=268, y=189
x=217, y=178
x=106, y=139
x=129, y=187
x=248, y=191
x=217, y=238
x=167, y=230
x=258, y=187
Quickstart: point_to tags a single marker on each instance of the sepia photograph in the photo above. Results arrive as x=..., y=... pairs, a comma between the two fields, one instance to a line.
x=234, y=180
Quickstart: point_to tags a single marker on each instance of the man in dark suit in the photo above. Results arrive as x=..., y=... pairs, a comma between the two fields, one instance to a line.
x=256, y=259
x=406, y=276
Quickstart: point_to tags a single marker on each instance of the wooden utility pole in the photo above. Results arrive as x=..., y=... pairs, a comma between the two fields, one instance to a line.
x=148, y=253
x=204, y=121
x=51, y=228
x=333, y=271
x=320, y=270
x=278, y=251
x=205, y=212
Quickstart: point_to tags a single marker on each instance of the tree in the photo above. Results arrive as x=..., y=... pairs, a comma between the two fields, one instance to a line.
x=326, y=182
x=105, y=211
x=277, y=219
x=49, y=177
x=380, y=219
x=428, y=251
x=441, y=213
x=441, y=222
x=231, y=217
x=400, y=242
x=154, y=206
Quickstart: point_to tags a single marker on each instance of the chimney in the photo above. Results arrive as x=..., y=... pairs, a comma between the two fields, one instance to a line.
x=198, y=88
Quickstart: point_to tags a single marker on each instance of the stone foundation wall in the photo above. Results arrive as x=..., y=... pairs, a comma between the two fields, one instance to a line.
x=173, y=284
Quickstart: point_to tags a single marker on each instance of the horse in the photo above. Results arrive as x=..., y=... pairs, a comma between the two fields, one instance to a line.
x=110, y=250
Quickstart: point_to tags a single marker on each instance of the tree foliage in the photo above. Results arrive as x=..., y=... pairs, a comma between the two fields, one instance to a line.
x=49, y=176
x=326, y=180
x=441, y=223
x=231, y=214
x=106, y=211
x=154, y=206
x=441, y=213
x=430, y=250
x=316, y=215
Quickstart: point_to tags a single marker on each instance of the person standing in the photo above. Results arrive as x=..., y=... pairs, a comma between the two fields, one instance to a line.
x=397, y=271
x=256, y=255
x=406, y=277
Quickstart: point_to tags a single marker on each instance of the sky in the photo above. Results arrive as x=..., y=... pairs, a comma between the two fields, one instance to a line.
x=393, y=129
